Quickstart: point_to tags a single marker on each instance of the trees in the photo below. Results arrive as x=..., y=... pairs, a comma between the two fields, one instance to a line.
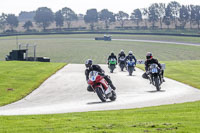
x=44, y=17
x=161, y=13
x=175, y=10
x=184, y=16
x=136, y=16
x=197, y=15
x=27, y=25
x=59, y=19
x=168, y=16
x=69, y=15
x=3, y=21
x=107, y=17
x=91, y=17
x=12, y=21
x=122, y=17
x=153, y=14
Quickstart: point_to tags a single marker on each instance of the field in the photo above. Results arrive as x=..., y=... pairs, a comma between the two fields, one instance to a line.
x=182, y=64
x=65, y=48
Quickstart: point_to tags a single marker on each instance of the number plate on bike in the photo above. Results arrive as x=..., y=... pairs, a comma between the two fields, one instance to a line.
x=154, y=70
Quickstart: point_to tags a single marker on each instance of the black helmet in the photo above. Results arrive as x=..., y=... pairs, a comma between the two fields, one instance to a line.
x=112, y=54
x=149, y=55
x=88, y=63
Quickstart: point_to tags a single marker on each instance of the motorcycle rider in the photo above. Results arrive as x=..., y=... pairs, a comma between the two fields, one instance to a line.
x=130, y=57
x=121, y=54
x=150, y=60
x=90, y=67
x=111, y=56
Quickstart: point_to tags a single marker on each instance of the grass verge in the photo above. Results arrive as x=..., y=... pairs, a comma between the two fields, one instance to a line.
x=177, y=118
x=184, y=71
x=18, y=79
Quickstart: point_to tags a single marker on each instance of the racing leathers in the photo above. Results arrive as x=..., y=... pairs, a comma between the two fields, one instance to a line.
x=121, y=54
x=101, y=72
x=112, y=57
x=147, y=65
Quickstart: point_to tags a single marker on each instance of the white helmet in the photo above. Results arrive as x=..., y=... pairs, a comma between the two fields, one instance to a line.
x=130, y=52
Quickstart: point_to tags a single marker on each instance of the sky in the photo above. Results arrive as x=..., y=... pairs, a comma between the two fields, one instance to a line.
x=81, y=6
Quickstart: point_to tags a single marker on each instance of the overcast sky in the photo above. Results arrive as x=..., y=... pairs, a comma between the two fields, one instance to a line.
x=81, y=6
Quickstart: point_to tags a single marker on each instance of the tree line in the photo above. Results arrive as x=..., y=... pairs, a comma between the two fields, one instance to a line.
x=171, y=14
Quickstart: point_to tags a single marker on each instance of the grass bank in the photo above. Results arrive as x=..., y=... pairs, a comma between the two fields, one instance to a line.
x=178, y=118
x=18, y=79
x=184, y=71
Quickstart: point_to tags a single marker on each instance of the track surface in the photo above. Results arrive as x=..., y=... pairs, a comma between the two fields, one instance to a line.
x=66, y=92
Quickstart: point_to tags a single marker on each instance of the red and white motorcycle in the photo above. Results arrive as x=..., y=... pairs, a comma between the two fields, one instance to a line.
x=101, y=87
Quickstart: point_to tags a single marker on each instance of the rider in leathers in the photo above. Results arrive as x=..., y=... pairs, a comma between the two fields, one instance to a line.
x=121, y=54
x=90, y=67
x=131, y=57
x=111, y=56
x=150, y=60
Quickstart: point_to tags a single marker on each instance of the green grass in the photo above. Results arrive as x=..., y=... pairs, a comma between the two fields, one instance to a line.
x=63, y=48
x=184, y=71
x=23, y=78
x=177, y=118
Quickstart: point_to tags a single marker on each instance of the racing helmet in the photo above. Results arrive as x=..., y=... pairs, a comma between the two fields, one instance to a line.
x=149, y=55
x=122, y=51
x=130, y=52
x=88, y=63
x=112, y=54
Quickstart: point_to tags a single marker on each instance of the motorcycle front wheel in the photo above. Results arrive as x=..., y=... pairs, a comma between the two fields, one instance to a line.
x=101, y=94
x=157, y=83
x=114, y=96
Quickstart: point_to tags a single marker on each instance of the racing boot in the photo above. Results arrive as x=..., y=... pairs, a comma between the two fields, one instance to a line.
x=89, y=88
x=112, y=86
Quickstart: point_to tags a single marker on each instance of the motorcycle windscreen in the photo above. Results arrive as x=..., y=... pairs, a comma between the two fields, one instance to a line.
x=93, y=75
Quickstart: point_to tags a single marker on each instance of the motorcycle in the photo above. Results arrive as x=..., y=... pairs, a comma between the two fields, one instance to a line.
x=112, y=64
x=122, y=63
x=101, y=87
x=155, y=76
x=130, y=67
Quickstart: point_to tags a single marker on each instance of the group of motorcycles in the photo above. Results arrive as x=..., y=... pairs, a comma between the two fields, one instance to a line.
x=129, y=65
x=103, y=89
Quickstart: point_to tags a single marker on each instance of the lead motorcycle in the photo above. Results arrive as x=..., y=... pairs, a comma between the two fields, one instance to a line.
x=101, y=87
x=155, y=76
x=122, y=63
x=112, y=64
x=130, y=67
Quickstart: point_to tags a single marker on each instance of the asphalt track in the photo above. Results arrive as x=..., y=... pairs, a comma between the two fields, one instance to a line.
x=66, y=92
x=129, y=40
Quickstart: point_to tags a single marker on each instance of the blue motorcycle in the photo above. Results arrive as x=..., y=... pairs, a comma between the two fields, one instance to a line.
x=130, y=67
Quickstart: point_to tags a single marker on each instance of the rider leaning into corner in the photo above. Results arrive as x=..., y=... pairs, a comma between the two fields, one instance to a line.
x=150, y=60
x=111, y=56
x=90, y=67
